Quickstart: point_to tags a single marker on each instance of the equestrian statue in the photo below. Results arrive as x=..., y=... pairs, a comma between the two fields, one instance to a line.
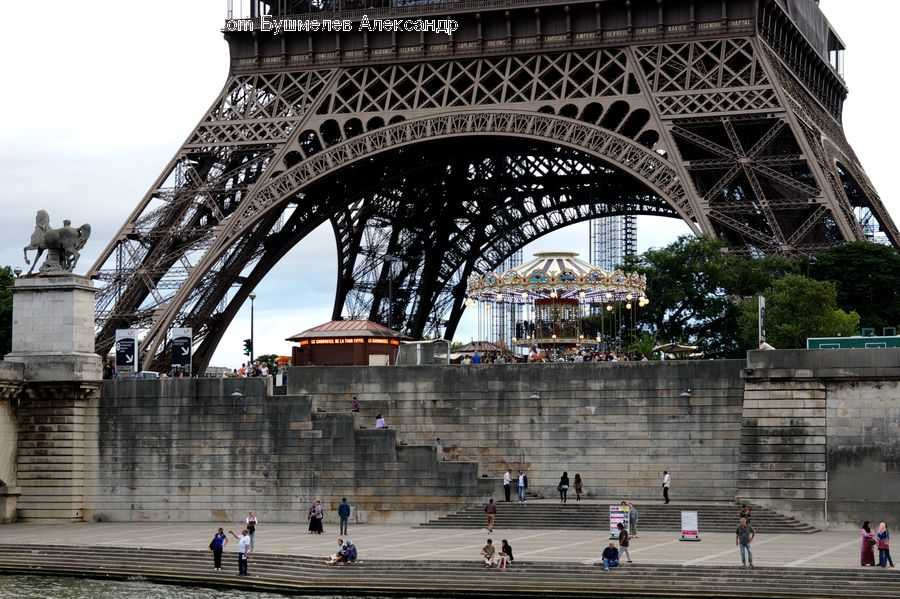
x=63, y=245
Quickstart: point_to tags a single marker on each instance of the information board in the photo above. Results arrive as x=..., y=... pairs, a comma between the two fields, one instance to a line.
x=182, y=340
x=126, y=351
x=690, y=526
x=618, y=515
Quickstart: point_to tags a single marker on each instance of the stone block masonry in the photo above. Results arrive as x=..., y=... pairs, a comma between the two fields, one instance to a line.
x=213, y=449
x=618, y=424
x=820, y=434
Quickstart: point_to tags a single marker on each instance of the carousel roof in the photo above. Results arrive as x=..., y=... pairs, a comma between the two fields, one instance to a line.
x=557, y=274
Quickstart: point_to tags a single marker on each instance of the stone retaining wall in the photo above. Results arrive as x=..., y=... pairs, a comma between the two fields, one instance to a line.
x=213, y=449
x=822, y=427
x=618, y=424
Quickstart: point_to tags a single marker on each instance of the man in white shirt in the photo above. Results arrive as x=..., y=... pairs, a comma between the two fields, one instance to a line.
x=507, y=480
x=667, y=480
x=243, y=550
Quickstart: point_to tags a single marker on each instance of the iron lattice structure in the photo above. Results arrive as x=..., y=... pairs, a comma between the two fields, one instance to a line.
x=452, y=152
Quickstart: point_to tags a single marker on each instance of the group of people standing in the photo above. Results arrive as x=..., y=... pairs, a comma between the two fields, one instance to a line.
x=246, y=543
x=871, y=540
x=247, y=539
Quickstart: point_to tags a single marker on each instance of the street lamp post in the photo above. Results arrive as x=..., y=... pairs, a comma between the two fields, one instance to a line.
x=252, y=348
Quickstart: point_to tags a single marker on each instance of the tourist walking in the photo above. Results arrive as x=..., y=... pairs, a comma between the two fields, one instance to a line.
x=563, y=487
x=251, y=528
x=633, y=519
x=610, y=557
x=746, y=512
x=507, y=481
x=217, y=545
x=623, y=542
x=491, y=510
x=488, y=552
x=344, y=514
x=667, y=480
x=523, y=485
x=243, y=551
x=744, y=535
x=867, y=545
x=579, y=487
x=883, y=538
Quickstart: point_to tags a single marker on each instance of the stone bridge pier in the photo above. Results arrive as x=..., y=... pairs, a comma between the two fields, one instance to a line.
x=45, y=383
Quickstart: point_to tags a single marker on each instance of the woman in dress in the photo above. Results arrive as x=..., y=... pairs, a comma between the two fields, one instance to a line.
x=867, y=545
x=563, y=487
x=311, y=516
x=318, y=515
x=579, y=487
x=251, y=528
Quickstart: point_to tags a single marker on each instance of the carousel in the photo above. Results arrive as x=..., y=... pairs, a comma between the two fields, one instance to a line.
x=562, y=302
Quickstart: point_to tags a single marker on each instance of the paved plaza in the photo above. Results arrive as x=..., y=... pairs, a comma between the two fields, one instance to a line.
x=827, y=549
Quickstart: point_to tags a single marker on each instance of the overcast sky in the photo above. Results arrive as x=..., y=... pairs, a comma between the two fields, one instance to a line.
x=98, y=96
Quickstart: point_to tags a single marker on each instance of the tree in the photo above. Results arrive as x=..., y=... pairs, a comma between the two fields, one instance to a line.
x=694, y=286
x=797, y=308
x=6, y=282
x=866, y=277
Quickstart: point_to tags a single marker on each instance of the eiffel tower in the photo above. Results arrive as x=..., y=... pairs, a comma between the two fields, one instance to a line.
x=435, y=155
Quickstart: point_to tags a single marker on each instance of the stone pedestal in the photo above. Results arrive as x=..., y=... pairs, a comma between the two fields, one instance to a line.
x=53, y=341
x=53, y=329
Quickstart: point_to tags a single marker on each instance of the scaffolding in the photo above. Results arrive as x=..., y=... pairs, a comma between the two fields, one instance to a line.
x=611, y=239
x=504, y=316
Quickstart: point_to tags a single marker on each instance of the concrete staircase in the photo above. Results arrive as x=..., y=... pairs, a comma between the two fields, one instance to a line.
x=550, y=514
x=307, y=574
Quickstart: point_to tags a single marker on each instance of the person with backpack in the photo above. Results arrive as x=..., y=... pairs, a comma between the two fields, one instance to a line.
x=217, y=545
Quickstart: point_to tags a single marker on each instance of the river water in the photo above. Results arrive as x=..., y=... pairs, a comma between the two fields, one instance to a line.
x=55, y=587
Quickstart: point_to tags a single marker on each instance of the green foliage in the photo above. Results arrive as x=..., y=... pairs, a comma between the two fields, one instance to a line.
x=456, y=345
x=797, y=308
x=6, y=282
x=269, y=359
x=867, y=279
x=694, y=286
x=644, y=345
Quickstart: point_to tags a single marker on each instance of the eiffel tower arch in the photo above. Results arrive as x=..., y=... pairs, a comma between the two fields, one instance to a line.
x=434, y=156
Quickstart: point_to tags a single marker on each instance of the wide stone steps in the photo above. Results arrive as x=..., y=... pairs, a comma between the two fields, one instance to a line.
x=711, y=517
x=278, y=572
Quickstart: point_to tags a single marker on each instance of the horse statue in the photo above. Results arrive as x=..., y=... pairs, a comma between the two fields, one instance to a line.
x=63, y=245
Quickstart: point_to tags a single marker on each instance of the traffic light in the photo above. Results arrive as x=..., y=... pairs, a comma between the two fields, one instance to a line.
x=248, y=347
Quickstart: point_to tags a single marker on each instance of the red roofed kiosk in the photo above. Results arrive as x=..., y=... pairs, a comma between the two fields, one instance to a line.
x=346, y=343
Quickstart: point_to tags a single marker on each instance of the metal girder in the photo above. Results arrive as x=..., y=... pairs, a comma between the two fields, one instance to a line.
x=453, y=156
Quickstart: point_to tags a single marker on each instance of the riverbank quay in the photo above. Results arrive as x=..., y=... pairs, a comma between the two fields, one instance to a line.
x=403, y=561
